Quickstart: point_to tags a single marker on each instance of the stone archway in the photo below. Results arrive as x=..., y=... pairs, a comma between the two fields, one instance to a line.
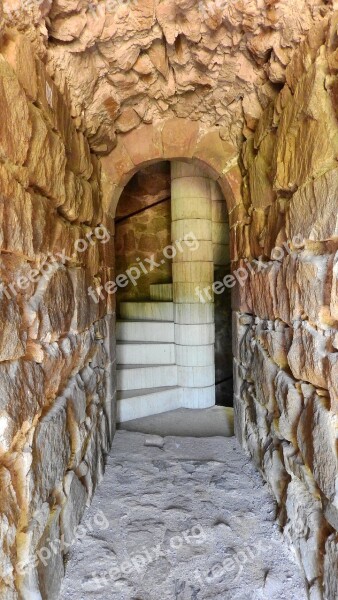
x=175, y=139
x=201, y=154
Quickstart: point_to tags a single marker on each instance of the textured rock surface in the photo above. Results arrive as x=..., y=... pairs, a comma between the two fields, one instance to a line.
x=56, y=356
x=174, y=79
x=140, y=61
x=199, y=510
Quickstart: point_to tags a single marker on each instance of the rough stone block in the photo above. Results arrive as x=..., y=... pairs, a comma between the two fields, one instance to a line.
x=19, y=53
x=51, y=457
x=22, y=397
x=46, y=160
x=179, y=138
x=15, y=124
x=313, y=210
x=308, y=356
x=290, y=403
x=317, y=440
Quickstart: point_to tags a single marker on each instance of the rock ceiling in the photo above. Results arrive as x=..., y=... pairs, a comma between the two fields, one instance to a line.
x=132, y=61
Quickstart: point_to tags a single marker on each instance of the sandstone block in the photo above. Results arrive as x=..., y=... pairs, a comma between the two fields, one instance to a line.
x=201, y=251
x=193, y=272
x=19, y=53
x=51, y=457
x=22, y=397
x=78, y=155
x=308, y=356
x=52, y=306
x=188, y=188
x=46, y=160
x=330, y=567
x=79, y=202
x=73, y=508
x=308, y=122
x=290, y=403
x=305, y=526
x=317, y=440
x=263, y=372
x=16, y=233
x=15, y=125
x=51, y=575
x=216, y=153
x=313, y=211
x=195, y=208
x=12, y=339
x=199, y=228
x=179, y=138
x=188, y=293
x=231, y=186
x=143, y=145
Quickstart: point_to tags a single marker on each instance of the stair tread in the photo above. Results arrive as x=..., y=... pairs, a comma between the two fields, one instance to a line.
x=143, y=321
x=142, y=366
x=138, y=343
x=126, y=394
x=140, y=302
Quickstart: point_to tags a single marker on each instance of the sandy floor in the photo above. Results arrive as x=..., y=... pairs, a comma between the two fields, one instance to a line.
x=187, y=519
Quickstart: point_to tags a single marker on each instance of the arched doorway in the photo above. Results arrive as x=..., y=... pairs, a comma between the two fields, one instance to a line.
x=183, y=327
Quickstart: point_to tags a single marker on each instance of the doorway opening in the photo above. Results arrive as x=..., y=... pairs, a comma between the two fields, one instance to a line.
x=174, y=349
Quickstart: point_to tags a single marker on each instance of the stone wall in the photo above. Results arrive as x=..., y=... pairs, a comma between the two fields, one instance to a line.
x=56, y=341
x=143, y=230
x=285, y=238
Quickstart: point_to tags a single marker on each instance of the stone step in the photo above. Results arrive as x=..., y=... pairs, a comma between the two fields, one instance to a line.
x=147, y=311
x=161, y=292
x=145, y=353
x=145, y=331
x=135, y=404
x=136, y=377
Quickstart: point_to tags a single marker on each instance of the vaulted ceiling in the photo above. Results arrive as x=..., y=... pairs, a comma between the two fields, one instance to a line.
x=133, y=61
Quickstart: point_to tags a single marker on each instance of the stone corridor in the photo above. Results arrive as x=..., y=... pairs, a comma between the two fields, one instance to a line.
x=184, y=519
x=168, y=241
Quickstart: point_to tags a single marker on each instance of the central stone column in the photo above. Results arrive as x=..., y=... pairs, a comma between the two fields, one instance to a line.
x=193, y=277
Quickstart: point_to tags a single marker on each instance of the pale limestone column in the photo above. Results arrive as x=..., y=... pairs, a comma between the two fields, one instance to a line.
x=193, y=277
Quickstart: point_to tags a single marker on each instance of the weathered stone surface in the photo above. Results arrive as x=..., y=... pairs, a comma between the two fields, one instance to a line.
x=330, y=567
x=308, y=122
x=308, y=356
x=16, y=126
x=19, y=53
x=276, y=338
x=290, y=404
x=79, y=202
x=51, y=458
x=46, y=160
x=22, y=397
x=317, y=440
x=73, y=509
x=52, y=306
x=305, y=526
x=12, y=340
x=16, y=235
x=174, y=59
x=313, y=210
x=50, y=575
